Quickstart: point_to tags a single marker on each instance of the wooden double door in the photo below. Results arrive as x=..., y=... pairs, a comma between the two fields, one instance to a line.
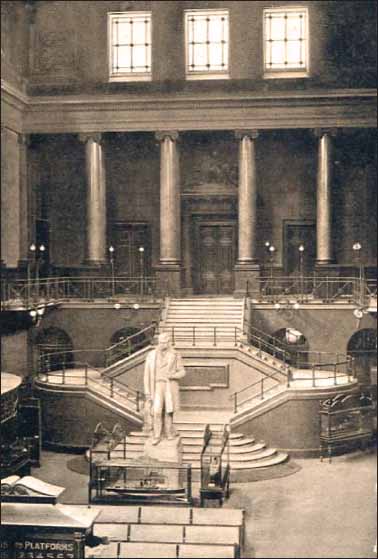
x=216, y=251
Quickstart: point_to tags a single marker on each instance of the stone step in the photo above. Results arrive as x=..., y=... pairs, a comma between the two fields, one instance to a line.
x=188, y=448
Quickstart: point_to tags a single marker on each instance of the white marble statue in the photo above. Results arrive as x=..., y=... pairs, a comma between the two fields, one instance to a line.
x=162, y=371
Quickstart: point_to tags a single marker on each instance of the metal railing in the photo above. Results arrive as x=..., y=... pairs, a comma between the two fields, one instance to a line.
x=208, y=335
x=80, y=373
x=312, y=289
x=332, y=371
x=23, y=292
x=130, y=345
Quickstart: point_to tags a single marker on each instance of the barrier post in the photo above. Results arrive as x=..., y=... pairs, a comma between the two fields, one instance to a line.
x=194, y=336
x=137, y=400
x=262, y=388
x=111, y=388
x=236, y=336
x=335, y=374
x=215, y=336
x=86, y=374
x=313, y=376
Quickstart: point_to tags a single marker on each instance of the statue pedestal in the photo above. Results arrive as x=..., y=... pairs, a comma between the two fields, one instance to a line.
x=166, y=452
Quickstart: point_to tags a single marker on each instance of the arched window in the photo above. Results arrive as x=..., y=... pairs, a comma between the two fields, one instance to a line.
x=362, y=346
x=55, y=349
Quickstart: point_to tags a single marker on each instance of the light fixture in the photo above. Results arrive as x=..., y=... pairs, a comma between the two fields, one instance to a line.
x=277, y=306
x=296, y=305
x=111, y=249
x=117, y=306
x=301, y=248
x=358, y=313
x=136, y=306
x=357, y=246
x=141, y=249
x=41, y=311
x=272, y=248
x=33, y=248
x=267, y=244
x=33, y=313
x=42, y=248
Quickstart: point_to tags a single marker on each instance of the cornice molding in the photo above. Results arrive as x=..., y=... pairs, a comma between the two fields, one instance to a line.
x=14, y=93
x=344, y=108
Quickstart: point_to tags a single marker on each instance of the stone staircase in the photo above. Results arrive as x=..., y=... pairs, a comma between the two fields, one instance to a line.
x=143, y=531
x=209, y=320
x=245, y=452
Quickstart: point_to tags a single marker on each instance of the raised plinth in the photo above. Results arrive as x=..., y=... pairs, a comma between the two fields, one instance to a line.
x=165, y=451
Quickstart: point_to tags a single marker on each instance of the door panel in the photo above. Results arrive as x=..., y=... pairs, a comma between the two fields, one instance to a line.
x=128, y=238
x=216, y=258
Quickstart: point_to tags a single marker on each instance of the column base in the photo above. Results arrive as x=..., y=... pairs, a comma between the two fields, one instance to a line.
x=247, y=275
x=95, y=268
x=325, y=268
x=168, y=279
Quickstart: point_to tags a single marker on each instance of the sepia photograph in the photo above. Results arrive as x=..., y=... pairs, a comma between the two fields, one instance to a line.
x=188, y=279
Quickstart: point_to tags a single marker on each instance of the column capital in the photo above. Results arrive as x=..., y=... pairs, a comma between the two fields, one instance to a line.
x=252, y=134
x=96, y=137
x=162, y=134
x=320, y=132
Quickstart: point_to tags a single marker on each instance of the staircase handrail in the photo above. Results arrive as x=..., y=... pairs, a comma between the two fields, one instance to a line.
x=262, y=345
x=129, y=345
x=113, y=386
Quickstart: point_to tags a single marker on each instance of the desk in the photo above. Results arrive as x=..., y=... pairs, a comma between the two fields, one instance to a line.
x=39, y=531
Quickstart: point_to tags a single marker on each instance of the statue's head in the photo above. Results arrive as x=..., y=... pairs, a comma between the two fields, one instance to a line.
x=164, y=340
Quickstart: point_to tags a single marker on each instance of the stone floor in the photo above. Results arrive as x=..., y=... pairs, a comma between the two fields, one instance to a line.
x=323, y=510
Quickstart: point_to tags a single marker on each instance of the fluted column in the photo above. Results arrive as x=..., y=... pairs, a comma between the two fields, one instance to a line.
x=170, y=210
x=324, y=198
x=96, y=199
x=247, y=269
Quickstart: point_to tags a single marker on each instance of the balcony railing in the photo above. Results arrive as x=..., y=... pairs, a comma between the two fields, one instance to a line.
x=26, y=293
x=313, y=289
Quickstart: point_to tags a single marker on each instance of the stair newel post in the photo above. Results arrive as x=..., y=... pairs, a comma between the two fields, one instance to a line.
x=86, y=374
x=313, y=376
x=194, y=336
x=137, y=400
x=215, y=336
x=236, y=336
x=64, y=372
x=235, y=402
x=262, y=388
x=111, y=387
x=173, y=335
x=288, y=373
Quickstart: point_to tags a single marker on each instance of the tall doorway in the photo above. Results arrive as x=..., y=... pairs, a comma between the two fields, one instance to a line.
x=215, y=257
x=128, y=239
x=298, y=233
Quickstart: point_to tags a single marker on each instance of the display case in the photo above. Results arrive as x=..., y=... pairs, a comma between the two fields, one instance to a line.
x=346, y=423
x=118, y=480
